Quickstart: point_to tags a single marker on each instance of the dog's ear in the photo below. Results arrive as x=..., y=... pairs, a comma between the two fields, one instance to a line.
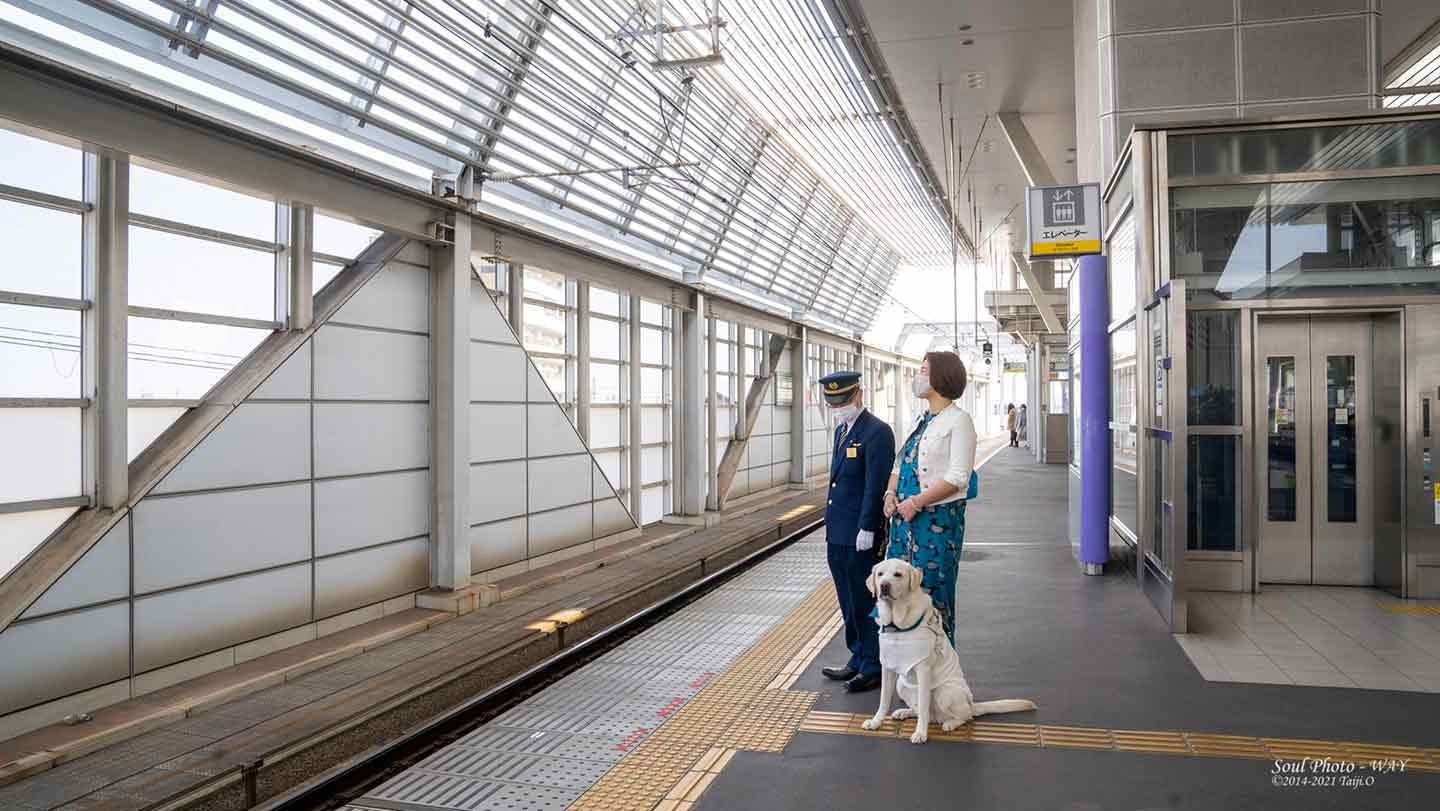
x=916, y=578
x=870, y=579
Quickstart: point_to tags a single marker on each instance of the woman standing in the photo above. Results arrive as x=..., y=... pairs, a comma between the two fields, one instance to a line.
x=926, y=497
x=1012, y=424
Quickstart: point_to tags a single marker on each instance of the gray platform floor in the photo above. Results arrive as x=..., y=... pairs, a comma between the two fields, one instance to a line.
x=543, y=754
x=1091, y=651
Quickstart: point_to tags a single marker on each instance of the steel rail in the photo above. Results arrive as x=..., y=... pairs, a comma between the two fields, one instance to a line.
x=348, y=780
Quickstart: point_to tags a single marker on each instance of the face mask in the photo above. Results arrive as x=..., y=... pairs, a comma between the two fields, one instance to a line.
x=920, y=385
x=845, y=413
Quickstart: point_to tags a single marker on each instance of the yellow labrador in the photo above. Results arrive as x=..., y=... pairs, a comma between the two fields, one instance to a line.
x=917, y=659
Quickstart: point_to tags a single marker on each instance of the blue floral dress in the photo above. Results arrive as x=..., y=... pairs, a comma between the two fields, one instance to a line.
x=933, y=540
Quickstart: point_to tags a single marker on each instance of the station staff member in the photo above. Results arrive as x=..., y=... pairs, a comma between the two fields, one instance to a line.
x=863, y=452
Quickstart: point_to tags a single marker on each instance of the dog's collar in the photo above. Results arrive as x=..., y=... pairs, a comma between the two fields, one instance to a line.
x=890, y=626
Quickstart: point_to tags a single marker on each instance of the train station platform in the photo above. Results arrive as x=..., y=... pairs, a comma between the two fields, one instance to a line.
x=722, y=706
x=248, y=732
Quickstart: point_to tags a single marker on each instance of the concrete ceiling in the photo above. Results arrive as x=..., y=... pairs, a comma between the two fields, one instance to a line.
x=1025, y=51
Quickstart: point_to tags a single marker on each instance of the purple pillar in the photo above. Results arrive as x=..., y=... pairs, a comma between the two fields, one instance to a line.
x=1094, y=409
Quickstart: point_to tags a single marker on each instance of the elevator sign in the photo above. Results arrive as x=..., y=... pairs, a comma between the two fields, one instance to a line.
x=1063, y=220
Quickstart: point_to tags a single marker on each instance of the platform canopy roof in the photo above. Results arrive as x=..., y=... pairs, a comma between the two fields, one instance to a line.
x=780, y=171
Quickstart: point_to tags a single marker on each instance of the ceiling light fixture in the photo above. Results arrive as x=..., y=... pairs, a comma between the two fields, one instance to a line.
x=965, y=26
x=967, y=42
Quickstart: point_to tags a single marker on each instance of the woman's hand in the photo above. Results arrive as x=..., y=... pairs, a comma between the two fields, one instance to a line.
x=891, y=503
x=909, y=509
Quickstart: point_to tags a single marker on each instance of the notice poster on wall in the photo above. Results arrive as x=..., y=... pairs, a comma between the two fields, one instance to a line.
x=1437, y=502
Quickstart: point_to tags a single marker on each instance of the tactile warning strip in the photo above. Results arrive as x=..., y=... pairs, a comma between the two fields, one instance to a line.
x=1198, y=744
x=1422, y=609
x=736, y=709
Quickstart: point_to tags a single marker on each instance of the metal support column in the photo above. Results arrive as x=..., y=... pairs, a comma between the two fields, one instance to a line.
x=450, y=384
x=896, y=380
x=742, y=377
x=712, y=421
x=582, y=360
x=798, y=408
x=295, y=265
x=1094, y=414
x=692, y=469
x=637, y=425
x=515, y=297
x=104, y=330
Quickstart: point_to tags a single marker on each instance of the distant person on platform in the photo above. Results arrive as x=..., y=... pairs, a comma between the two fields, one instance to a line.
x=1020, y=424
x=862, y=454
x=1012, y=424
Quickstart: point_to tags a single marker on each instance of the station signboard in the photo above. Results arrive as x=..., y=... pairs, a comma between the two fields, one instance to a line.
x=1063, y=221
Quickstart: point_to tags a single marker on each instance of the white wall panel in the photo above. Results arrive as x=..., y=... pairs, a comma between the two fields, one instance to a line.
x=537, y=390
x=779, y=447
x=765, y=420
x=497, y=491
x=757, y=451
x=610, y=518
x=255, y=444
x=189, y=538
x=559, y=481
x=370, y=437
x=600, y=483
x=559, y=529
x=551, y=432
x=56, y=656
x=497, y=432
x=368, y=510
x=497, y=373
x=498, y=544
x=181, y=624
x=102, y=574
x=370, y=575
x=486, y=321
x=362, y=364
x=291, y=381
x=398, y=297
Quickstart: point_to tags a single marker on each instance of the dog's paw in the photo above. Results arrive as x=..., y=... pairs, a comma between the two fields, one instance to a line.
x=951, y=726
x=902, y=714
x=921, y=735
x=873, y=723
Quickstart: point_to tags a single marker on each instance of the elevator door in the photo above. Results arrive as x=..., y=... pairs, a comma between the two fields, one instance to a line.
x=1316, y=522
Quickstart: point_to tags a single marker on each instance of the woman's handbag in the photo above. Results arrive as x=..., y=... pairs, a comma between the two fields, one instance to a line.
x=973, y=491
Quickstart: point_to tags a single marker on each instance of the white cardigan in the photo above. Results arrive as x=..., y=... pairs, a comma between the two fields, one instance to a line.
x=947, y=451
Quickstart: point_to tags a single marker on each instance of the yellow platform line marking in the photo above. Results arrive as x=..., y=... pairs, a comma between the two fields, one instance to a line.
x=1419, y=609
x=745, y=707
x=1195, y=744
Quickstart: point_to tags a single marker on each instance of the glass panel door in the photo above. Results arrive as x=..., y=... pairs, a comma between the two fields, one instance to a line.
x=1340, y=433
x=1165, y=458
x=1342, y=518
x=1280, y=439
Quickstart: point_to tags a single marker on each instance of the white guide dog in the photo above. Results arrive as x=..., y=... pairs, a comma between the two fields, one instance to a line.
x=917, y=659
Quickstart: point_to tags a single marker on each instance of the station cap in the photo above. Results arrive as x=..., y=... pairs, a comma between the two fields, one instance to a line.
x=839, y=387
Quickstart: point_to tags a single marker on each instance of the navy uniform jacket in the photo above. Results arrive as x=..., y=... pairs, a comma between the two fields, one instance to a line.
x=857, y=483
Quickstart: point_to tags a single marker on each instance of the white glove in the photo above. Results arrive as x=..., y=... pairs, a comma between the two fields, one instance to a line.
x=865, y=539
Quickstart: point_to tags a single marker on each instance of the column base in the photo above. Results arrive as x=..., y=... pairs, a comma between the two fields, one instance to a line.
x=459, y=601
x=1092, y=568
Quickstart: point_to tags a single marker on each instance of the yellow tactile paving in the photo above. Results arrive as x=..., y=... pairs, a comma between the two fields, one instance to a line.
x=744, y=707
x=1195, y=744
x=749, y=706
x=1422, y=609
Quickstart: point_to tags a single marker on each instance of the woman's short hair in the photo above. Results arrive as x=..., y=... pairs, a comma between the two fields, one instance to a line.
x=947, y=374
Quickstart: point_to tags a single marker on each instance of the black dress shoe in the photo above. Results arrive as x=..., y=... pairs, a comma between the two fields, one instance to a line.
x=839, y=673
x=861, y=684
